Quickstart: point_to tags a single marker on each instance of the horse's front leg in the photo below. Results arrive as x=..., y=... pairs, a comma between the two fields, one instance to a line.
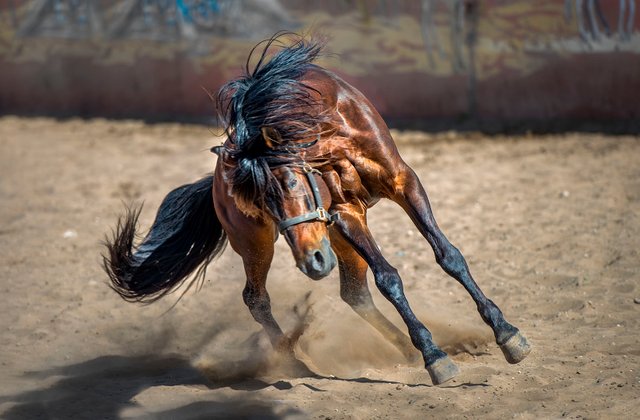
x=355, y=292
x=253, y=240
x=411, y=195
x=354, y=229
x=256, y=266
x=256, y=247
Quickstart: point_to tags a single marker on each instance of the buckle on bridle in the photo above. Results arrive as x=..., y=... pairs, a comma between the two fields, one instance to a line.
x=323, y=216
x=319, y=214
x=308, y=169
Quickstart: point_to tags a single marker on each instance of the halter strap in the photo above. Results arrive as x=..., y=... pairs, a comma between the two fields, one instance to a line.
x=319, y=214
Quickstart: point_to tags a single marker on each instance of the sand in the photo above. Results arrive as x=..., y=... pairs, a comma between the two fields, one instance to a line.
x=550, y=226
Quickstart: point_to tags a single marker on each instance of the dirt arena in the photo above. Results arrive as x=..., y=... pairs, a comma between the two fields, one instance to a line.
x=550, y=226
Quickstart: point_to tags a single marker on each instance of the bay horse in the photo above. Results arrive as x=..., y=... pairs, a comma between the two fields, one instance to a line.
x=305, y=156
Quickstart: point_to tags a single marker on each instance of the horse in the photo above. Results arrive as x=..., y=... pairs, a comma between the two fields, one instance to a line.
x=305, y=156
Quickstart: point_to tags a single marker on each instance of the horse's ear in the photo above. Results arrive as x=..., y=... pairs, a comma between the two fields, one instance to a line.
x=271, y=136
x=216, y=150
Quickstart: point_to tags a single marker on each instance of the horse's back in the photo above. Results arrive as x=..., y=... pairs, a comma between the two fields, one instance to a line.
x=354, y=113
x=359, y=133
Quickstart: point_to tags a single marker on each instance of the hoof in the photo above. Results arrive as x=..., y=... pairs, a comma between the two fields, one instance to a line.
x=442, y=370
x=516, y=348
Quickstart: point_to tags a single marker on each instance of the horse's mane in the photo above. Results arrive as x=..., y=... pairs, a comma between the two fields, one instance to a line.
x=271, y=96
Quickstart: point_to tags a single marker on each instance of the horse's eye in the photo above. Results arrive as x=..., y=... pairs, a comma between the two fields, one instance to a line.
x=292, y=183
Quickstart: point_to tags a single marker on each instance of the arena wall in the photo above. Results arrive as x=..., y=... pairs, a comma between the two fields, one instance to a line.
x=430, y=60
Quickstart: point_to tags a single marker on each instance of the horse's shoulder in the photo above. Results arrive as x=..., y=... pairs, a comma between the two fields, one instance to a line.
x=344, y=182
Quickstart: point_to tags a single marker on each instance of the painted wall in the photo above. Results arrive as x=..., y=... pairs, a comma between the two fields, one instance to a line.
x=485, y=60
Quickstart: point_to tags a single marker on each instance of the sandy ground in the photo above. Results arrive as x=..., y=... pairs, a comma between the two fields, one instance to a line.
x=550, y=227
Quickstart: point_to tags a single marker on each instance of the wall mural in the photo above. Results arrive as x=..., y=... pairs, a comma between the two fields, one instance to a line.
x=157, y=20
x=514, y=59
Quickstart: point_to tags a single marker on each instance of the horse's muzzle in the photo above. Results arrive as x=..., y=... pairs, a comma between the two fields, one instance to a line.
x=318, y=262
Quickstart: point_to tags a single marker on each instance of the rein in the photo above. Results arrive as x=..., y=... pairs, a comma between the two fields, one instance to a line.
x=320, y=212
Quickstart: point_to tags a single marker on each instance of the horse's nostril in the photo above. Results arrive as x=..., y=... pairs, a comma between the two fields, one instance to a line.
x=318, y=260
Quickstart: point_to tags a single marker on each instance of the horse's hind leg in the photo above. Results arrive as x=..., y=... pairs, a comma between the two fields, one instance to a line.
x=412, y=197
x=353, y=228
x=355, y=292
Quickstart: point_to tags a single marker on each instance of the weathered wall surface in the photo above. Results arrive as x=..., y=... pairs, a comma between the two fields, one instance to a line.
x=486, y=60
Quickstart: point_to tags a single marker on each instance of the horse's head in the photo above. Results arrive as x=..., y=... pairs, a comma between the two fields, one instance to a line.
x=269, y=178
x=303, y=218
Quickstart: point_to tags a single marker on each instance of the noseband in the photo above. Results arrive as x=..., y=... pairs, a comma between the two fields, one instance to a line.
x=319, y=214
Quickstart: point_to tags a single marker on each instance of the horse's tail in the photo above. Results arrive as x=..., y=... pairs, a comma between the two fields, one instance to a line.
x=184, y=238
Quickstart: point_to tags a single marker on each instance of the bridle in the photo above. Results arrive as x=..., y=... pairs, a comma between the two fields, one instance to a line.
x=319, y=214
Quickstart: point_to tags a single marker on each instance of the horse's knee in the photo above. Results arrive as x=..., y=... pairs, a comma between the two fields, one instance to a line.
x=248, y=296
x=354, y=293
x=451, y=260
x=254, y=299
x=389, y=284
x=351, y=297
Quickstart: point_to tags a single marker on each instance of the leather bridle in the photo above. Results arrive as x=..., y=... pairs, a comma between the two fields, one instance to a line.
x=319, y=214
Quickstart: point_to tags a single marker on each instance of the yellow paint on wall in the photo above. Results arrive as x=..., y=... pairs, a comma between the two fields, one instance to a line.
x=510, y=37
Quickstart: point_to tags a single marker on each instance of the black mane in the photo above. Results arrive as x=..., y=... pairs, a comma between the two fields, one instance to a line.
x=273, y=96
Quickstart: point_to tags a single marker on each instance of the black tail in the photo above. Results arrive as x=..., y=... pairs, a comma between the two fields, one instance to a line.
x=183, y=239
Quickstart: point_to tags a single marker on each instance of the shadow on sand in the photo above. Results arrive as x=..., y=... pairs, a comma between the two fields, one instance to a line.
x=101, y=388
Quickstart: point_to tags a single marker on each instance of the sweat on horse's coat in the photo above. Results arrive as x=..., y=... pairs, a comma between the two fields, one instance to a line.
x=302, y=145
